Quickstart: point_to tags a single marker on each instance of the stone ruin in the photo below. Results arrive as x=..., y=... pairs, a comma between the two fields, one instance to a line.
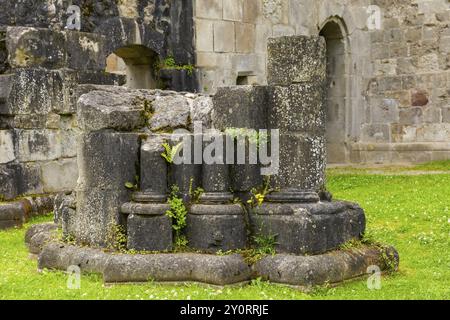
x=42, y=63
x=124, y=185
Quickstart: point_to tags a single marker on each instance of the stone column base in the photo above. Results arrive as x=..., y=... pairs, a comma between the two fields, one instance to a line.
x=309, y=228
x=148, y=227
x=214, y=227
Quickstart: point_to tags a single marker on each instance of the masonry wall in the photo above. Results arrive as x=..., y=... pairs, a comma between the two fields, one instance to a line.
x=392, y=95
x=42, y=63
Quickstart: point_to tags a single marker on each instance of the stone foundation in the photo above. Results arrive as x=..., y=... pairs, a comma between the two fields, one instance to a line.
x=293, y=270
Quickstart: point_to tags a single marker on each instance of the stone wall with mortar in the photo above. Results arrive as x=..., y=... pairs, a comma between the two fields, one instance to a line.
x=391, y=101
x=42, y=63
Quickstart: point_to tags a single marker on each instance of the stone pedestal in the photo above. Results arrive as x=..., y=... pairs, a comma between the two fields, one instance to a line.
x=216, y=223
x=148, y=226
x=214, y=227
x=309, y=228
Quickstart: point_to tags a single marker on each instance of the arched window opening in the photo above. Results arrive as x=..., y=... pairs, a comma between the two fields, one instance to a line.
x=337, y=92
x=138, y=63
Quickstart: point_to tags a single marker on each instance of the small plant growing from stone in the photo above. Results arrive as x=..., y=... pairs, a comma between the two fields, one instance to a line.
x=195, y=194
x=170, y=152
x=117, y=237
x=170, y=63
x=133, y=185
x=178, y=214
x=259, y=196
x=148, y=110
x=265, y=244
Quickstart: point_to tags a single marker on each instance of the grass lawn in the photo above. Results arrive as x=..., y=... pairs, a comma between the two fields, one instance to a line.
x=411, y=212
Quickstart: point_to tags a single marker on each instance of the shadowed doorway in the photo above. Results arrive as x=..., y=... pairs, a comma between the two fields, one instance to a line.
x=336, y=92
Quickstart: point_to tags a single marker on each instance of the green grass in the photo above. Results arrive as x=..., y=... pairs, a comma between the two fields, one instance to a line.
x=410, y=212
x=435, y=166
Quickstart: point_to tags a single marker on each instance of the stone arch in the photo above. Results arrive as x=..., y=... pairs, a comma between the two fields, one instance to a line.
x=335, y=33
x=138, y=63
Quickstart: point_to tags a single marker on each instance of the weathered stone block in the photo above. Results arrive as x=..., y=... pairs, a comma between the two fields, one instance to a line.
x=122, y=32
x=246, y=177
x=13, y=211
x=107, y=160
x=8, y=224
x=245, y=37
x=233, y=10
x=8, y=186
x=376, y=133
x=30, y=179
x=7, y=152
x=204, y=35
x=251, y=11
x=295, y=60
x=82, y=82
x=310, y=228
x=97, y=216
x=297, y=108
x=216, y=176
x=240, y=107
x=384, y=111
x=216, y=227
x=419, y=98
x=59, y=175
x=333, y=267
x=64, y=208
x=411, y=116
x=32, y=121
x=224, y=36
x=446, y=115
x=210, y=9
x=86, y=51
x=32, y=47
x=35, y=91
x=121, y=110
x=38, y=145
x=211, y=269
x=302, y=162
x=170, y=112
x=39, y=236
x=149, y=233
x=202, y=109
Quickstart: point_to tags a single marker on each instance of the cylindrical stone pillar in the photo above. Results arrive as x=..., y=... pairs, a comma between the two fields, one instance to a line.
x=153, y=172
